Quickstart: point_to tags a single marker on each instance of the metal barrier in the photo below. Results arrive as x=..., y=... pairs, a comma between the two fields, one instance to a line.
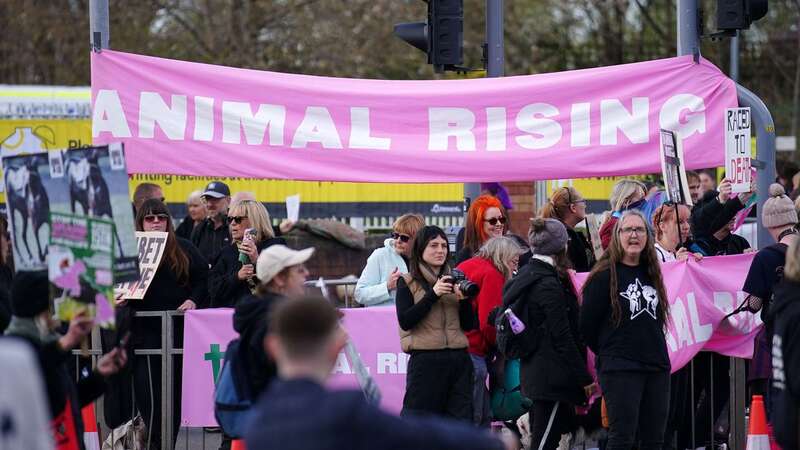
x=167, y=354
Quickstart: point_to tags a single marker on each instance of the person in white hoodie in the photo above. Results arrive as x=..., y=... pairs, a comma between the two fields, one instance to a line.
x=377, y=285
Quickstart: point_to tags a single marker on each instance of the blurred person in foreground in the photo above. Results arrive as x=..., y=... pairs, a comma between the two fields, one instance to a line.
x=298, y=412
x=785, y=383
x=233, y=276
x=568, y=206
x=377, y=285
x=493, y=265
x=554, y=372
x=32, y=322
x=196, y=215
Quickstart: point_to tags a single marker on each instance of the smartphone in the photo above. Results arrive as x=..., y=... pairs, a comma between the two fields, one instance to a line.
x=249, y=236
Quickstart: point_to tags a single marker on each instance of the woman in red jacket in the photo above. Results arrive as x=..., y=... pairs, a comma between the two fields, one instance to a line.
x=490, y=268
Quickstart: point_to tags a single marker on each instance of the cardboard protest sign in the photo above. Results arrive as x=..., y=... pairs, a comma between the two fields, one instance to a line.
x=737, y=148
x=90, y=182
x=593, y=228
x=673, y=168
x=80, y=267
x=151, y=246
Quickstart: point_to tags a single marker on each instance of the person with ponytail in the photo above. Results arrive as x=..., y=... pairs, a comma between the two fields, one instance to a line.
x=486, y=219
x=179, y=284
x=623, y=319
x=568, y=206
x=433, y=315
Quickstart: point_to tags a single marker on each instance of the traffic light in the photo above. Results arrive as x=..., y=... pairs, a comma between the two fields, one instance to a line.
x=739, y=14
x=441, y=37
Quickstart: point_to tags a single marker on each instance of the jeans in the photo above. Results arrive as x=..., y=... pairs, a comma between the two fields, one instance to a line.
x=636, y=402
x=439, y=382
x=480, y=394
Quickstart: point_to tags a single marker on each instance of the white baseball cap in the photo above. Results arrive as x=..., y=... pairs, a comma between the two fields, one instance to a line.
x=275, y=258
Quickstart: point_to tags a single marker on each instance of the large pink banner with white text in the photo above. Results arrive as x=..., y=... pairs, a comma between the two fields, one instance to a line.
x=701, y=294
x=198, y=119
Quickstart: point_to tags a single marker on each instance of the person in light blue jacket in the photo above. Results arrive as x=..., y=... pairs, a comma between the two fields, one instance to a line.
x=377, y=285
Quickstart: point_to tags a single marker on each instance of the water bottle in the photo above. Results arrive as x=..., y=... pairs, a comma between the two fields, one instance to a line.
x=517, y=325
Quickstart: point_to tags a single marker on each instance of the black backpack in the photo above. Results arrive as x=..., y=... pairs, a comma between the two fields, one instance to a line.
x=515, y=346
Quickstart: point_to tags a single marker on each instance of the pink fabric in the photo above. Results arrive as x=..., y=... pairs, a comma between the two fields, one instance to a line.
x=197, y=119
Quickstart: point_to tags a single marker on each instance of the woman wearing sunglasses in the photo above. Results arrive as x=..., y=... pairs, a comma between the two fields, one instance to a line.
x=179, y=284
x=486, y=219
x=377, y=285
x=233, y=276
x=568, y=206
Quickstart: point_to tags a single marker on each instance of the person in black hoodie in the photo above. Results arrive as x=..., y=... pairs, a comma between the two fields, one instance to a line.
x=230, y=278
x=179, y=284
x=623, y=317
x=712, y=220
x=785, y=383
x=554, y=375
x=32, y=323
x=569, y=207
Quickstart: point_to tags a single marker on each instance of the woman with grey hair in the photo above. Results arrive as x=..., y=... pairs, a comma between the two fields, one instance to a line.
x=493, y=265
x=626, y=195
x=553, y=372
x=197, y=214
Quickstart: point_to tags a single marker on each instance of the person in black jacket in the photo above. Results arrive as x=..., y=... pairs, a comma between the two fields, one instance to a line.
x=298, y=412
x=230, y=278
x=196, y=215
x=785, y=382
x=712, y=220
x=554, y=375
x=568, y=206
x=179, y=284
x=32, y=323
x=623, y=317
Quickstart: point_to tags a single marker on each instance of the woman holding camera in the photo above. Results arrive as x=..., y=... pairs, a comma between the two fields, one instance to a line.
x=553, y=373
x=233, y=276
x=433, y=314
x=489, y=269
x=623, y=317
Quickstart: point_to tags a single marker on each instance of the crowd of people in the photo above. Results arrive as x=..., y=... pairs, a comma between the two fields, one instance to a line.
x=450, y=306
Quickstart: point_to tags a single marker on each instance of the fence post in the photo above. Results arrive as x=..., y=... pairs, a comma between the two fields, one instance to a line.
x=166, y=401
x=738, y=403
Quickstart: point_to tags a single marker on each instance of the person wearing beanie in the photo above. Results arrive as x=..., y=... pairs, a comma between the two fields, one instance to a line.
x=780, y=219
x=624, y=313
x=554, y=374
x=31, y=322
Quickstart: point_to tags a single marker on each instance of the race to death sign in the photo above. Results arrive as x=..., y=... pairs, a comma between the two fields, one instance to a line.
x=151, y=248
x=737, y=148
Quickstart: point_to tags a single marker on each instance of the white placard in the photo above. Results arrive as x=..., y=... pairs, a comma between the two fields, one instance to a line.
x=737, y=148
x=293, y=207
x=151, y=248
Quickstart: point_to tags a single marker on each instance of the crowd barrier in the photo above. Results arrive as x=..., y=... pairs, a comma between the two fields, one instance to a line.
x=196, y=437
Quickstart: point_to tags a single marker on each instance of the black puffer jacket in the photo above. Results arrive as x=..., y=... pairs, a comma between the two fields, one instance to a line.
x=556, y=370
x=251, y=321
x=224, y=286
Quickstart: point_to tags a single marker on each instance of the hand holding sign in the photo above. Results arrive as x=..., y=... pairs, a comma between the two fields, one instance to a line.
x=737, y=148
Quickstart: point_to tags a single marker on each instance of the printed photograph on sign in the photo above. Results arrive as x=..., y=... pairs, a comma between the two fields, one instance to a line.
x=737, y=148
x=674, y=169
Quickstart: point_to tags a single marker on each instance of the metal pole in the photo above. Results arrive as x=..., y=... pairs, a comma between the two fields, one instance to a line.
x=735, y=58
x=688, y=28
x=765, y=152
x=98, y=24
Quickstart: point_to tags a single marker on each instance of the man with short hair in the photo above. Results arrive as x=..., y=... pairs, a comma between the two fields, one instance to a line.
x=146, y=191
x=694, y=185
x=212, y=235
x=298, y=412
x=708, y=181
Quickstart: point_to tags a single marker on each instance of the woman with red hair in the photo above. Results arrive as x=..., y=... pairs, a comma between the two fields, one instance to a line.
x=486, y=219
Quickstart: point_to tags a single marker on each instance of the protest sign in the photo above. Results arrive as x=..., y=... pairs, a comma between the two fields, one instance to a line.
x=585, y=123
x=700, y=296
x=293, y=207
x=90, y=181
x=151, y=246
x=737, y=148
x=673, y=167
x=80, y=267
x=593, y=229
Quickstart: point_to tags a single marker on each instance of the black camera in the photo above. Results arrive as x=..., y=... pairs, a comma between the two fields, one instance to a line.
x=467, y=287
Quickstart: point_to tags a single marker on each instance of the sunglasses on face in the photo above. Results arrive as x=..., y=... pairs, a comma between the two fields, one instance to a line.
x=151, y=218
x=493, y=221
x=237, y=219
x=570, y=200
x=402, y=237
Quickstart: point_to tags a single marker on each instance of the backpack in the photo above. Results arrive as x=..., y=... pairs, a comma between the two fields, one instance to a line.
x=511, y=345
x=507, y=401
x=233, y=398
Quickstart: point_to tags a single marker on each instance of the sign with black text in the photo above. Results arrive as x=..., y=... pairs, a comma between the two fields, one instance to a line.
x=737, y=148
x=151, y=246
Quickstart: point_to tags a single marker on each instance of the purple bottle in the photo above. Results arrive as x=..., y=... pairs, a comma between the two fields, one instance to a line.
x=517, y=325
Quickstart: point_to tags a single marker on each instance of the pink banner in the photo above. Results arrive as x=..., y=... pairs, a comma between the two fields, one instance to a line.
x=177, y=117
x=701, y=294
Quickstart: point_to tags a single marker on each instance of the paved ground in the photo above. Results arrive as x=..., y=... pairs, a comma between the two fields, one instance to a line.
x=197, y=440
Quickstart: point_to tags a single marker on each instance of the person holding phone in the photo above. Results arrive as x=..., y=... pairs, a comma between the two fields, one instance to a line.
x=234, y=276
x=377, y=285
x=433, y=314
